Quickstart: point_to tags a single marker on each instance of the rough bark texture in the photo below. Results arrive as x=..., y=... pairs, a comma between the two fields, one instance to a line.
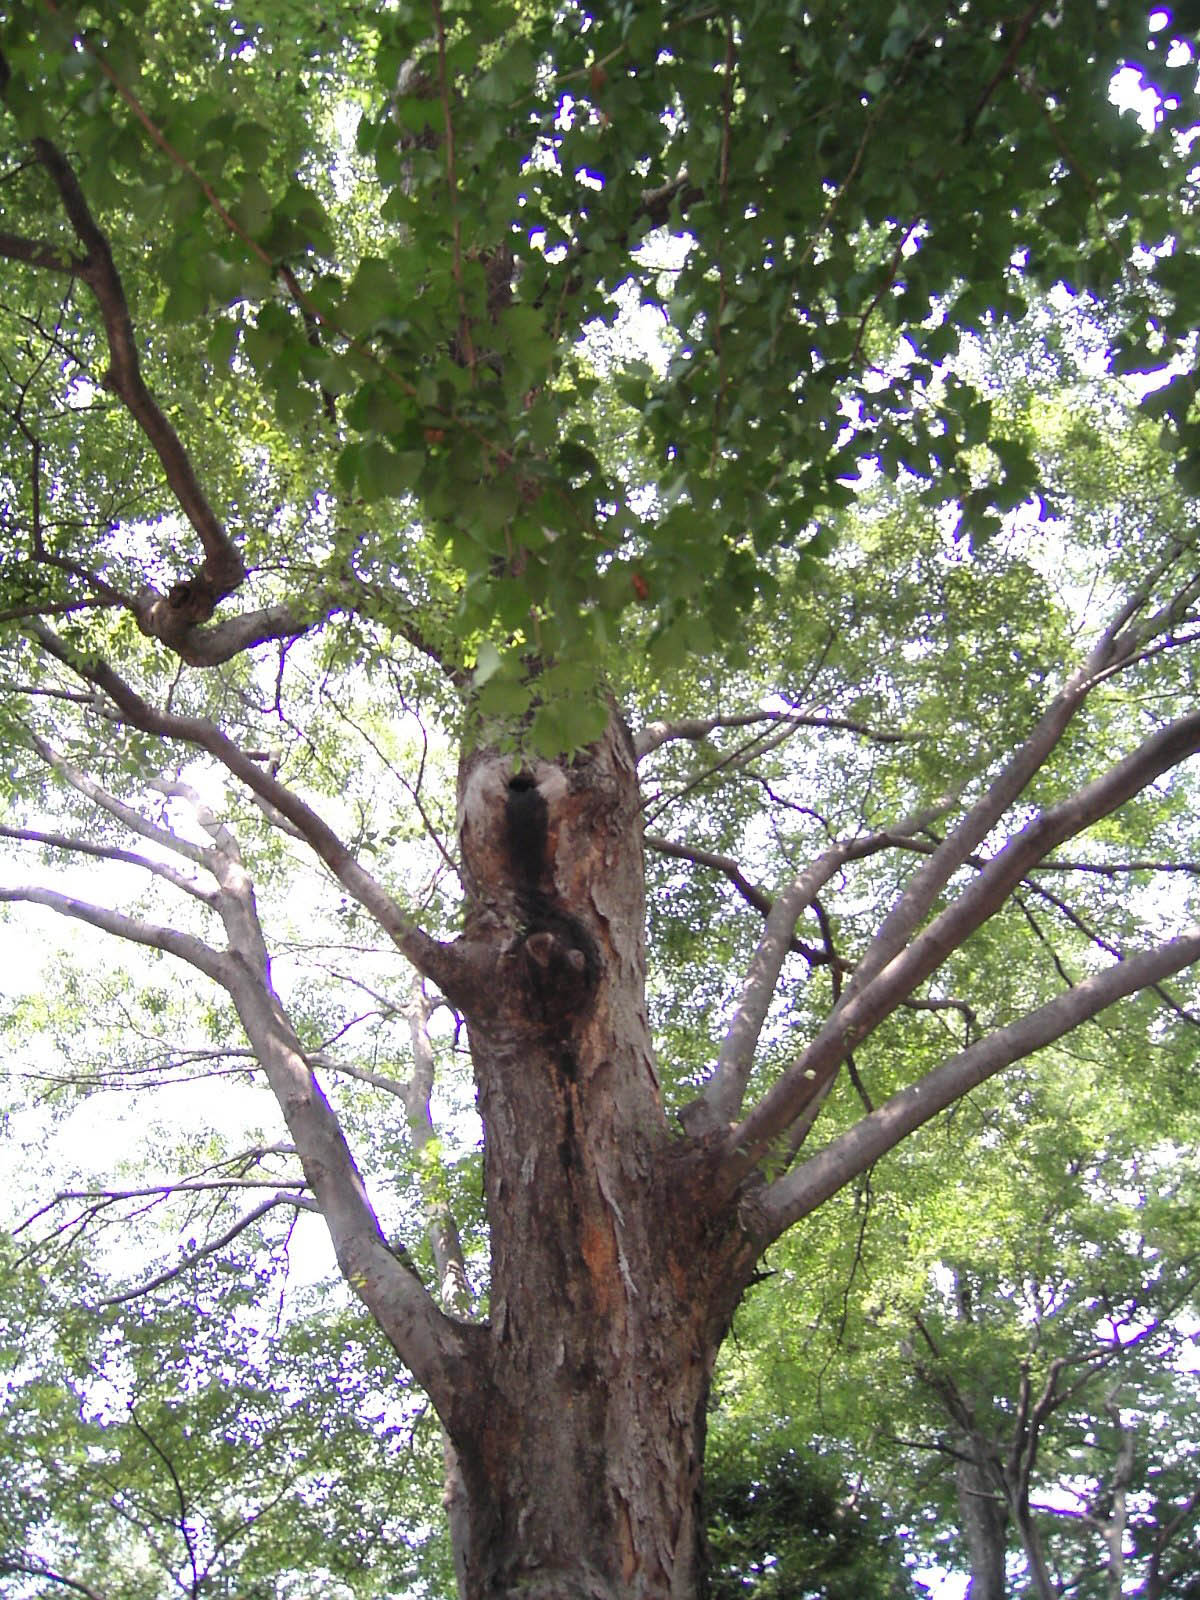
x=984, y=1520
x=582, y=1464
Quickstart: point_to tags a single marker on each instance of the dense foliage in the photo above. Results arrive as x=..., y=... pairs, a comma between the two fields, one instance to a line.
x=390, y=390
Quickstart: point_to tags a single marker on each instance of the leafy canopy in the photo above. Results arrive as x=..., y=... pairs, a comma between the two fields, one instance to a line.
x=390, y=258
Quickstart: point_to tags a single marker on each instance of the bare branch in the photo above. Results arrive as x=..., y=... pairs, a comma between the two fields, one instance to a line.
x=726, y=1087
x=30, y=1566
x=1120, y=869
x=297, y=1202
x=431, y=1344
x=209, y=647
x=377, y=1080
x=194, y=951
x=1113, y=648
x=182, y=1522
x=726, y=864
x=453, y=1284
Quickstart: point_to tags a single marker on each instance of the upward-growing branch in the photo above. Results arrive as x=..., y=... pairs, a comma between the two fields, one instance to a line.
x=221, y=570
x=840, y=1162
x=866, y=1004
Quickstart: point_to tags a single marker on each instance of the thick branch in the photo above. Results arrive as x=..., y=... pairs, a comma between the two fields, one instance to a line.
x=429, y=1342
x=445, y=964
x=222, y=570
x=865, y=1006
x=209, y=647
x=36, y=253
x=194, y=951
x=925, y=885
x=801, y=1191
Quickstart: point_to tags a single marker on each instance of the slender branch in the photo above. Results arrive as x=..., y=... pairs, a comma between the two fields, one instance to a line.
x=726, y=1087
x=182, y=1521
x=103, y=852
x=1020, y=34
x=1118, y=869
x=377, y=1080
x=738, y=757
x=432, y=1344
x=38, y=254
x=467, y=349
x=1115, y=645
x=297, y=1202
x=726, y=864
x=29, y=1566
x=128, y=815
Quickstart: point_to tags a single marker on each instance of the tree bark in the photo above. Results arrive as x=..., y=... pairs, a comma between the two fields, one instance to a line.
x=582, y=1461
x=984, y=1521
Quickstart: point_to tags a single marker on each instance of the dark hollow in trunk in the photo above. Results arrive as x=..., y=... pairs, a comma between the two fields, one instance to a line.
x=611, y=1282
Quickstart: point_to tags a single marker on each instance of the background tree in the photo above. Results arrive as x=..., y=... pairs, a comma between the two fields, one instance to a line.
x=191, y=1452
x=996, y=1339
x=319, y=459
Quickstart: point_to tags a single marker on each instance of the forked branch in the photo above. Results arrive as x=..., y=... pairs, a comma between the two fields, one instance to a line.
x=802, y=1190
x=866, y=1004
x=447, y=965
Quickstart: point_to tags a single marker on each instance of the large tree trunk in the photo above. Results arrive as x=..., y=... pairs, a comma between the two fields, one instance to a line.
x=983, y=1517
x=582, y=1464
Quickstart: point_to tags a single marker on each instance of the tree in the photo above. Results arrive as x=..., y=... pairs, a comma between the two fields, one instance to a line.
x=306, y=434
x=1060, y=1399
x=795, y=1529
x=189, y=1451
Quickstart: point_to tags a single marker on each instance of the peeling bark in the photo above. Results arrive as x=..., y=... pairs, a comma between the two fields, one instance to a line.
x=605, y=1311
